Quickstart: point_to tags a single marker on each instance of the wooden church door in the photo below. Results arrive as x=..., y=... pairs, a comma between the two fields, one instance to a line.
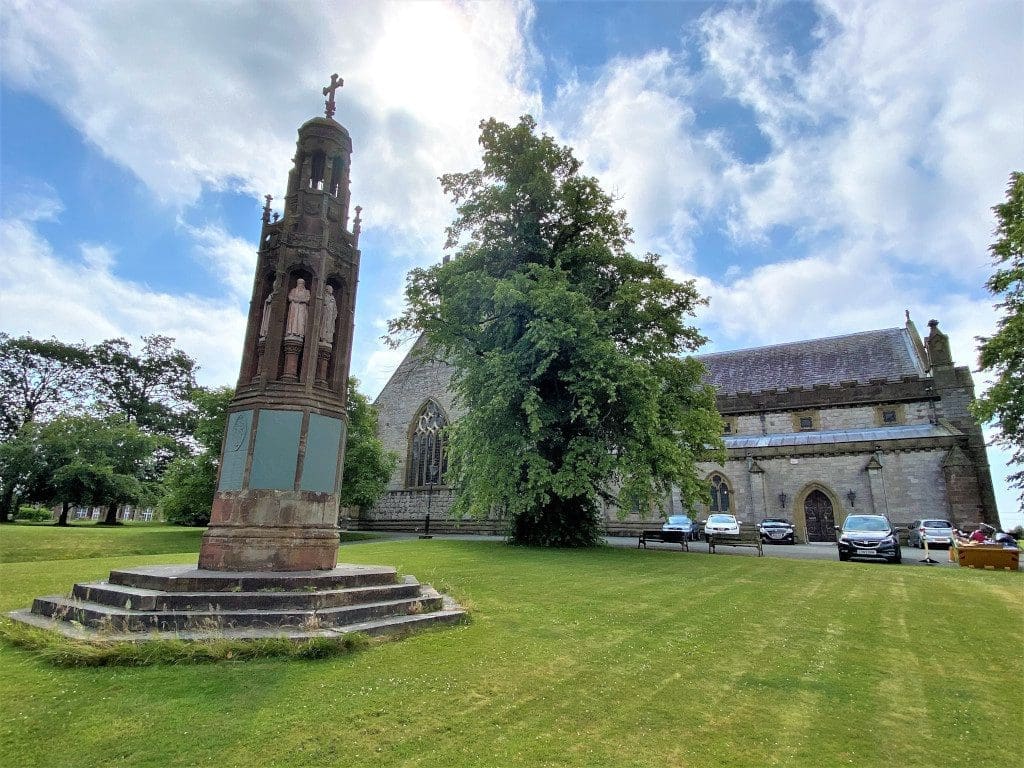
x=818, y=515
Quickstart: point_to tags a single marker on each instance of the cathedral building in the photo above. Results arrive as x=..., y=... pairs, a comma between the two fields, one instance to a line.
x=872, y=422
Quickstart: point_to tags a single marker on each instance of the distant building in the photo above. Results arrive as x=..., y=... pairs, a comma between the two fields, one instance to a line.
x=877, y=421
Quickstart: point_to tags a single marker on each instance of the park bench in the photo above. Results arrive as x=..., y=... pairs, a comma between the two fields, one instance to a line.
x=749, y=537
x=668, y=537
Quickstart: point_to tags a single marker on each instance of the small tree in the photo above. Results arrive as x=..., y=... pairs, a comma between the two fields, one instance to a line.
x=190, y=481
x=1003, y=353
x=566, y=348
x=82, y=460
x=368, y=466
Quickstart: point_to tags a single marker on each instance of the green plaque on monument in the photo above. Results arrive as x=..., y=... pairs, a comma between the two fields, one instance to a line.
x=236, y=448
x=323, y=443
x=276, y=452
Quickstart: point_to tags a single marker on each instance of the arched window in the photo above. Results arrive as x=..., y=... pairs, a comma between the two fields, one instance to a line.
x=336, y=176
x=316, y=170
x=428, y=454
x=719, y=494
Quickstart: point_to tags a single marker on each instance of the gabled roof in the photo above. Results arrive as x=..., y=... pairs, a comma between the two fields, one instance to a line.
x=887, y=354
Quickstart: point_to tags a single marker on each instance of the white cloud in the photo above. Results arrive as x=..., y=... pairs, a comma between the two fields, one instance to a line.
x=211, y=96
x=230, y=260
x=44, y=295
x=898, y=128
x=634, y=127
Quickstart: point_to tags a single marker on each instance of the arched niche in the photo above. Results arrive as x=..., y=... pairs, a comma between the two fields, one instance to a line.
x=298, y=323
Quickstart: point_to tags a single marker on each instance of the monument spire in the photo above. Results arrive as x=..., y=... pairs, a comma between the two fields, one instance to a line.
x=336, y=83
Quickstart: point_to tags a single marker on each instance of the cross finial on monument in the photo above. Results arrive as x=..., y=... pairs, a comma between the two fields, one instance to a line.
x=336, y=83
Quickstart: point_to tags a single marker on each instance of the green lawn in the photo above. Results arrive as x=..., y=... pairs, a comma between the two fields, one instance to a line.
x=21, y=543
x=614, y=657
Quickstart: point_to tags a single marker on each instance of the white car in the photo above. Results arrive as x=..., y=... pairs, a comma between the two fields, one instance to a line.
x=722, y=524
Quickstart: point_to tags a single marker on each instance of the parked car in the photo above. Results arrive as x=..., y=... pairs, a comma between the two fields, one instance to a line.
x=721, y=524
x=680, y=523
x=870, y=536
x=937, y=532
x=777, y=529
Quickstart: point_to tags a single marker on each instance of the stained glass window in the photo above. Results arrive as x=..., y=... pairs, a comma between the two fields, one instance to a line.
x=428, y=455
x=719, y=494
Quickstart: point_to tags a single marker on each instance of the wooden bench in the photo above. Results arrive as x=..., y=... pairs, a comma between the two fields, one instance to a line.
x=668, y=537
x=750, y=537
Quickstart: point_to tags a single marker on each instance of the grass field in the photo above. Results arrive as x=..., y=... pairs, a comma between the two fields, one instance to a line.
x=611, y=657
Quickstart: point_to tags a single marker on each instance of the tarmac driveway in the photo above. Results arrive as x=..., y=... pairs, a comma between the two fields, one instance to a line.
x=815, y=551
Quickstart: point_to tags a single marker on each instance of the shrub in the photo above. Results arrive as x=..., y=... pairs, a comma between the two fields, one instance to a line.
x=34, y=513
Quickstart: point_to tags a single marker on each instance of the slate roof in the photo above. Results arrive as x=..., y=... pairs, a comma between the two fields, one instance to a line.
x=862, y=357
x=840, y=436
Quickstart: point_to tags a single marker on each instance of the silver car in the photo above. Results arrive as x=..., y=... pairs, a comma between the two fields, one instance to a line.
x=937, y=532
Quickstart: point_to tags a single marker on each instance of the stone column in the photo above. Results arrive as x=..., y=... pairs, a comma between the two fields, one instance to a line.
x=758, y=500
x=879, y=504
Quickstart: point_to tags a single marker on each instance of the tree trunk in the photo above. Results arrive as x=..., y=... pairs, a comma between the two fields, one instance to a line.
x=5, y=504
x=561, y=523
x=63, y=519
x=111, y=518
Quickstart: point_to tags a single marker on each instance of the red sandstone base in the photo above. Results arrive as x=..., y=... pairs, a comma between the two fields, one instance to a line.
x=269, y=549
x=266, y=530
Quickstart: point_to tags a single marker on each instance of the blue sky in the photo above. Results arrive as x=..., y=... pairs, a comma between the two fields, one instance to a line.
x=818, y=167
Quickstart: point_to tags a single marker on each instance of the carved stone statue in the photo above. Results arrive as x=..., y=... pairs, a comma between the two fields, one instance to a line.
x=298, y=308
x=265, y=320
x=329, y=318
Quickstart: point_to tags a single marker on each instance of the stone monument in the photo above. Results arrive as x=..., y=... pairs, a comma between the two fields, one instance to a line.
x=276, y=505
x=268, y=561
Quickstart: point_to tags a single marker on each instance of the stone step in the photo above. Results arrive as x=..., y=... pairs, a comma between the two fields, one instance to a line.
x=182, y=578
x=134, y=598
x=97, y=615
x=449, y=614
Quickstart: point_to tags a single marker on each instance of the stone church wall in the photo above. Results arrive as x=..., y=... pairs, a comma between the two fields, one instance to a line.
x=401, y=399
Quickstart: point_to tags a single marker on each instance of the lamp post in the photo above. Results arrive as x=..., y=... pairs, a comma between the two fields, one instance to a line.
x=432, y=471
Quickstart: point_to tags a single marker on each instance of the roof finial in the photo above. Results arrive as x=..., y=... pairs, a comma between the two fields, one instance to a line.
x=357, y=225
x=266, y=209
x=336, y=83
x=907, y=313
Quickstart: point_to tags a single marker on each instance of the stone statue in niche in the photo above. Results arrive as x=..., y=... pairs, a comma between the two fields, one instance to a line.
x=298, y=308
x=265, y=320
x=330, y=316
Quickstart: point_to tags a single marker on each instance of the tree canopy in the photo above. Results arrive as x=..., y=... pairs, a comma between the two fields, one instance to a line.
x=1002, y=354
x=82, y=460
x=39, y=378
x=567, y=349
x=42, y=381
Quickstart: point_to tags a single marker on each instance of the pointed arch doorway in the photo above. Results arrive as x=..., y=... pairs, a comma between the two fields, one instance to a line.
x=819, y=517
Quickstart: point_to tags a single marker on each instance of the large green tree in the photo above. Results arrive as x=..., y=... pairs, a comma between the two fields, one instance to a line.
x=568, y=350
x=1002, y=354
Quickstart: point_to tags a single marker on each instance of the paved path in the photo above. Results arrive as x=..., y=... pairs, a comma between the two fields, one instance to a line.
x=815, y=551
